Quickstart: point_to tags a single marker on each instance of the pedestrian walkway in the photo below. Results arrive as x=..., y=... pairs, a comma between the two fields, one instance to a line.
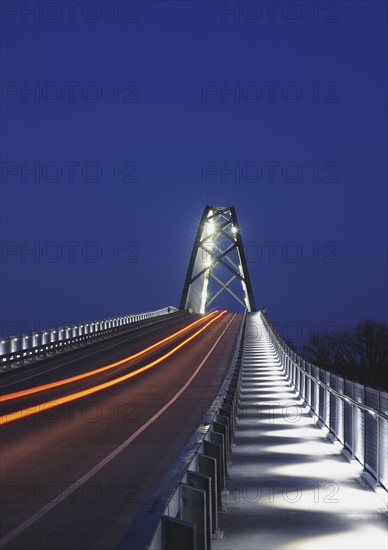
x=289, y=486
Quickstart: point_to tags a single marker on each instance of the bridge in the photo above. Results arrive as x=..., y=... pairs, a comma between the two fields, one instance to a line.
x=190, y=428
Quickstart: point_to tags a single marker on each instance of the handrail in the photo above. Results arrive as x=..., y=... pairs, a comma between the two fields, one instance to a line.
x=285, y=348
x=25, y=348
x=360, y=427
x=371, y=410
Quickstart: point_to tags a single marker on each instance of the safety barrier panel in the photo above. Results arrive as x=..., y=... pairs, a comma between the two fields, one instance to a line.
x=356, y=415
x=183, y=513
x=26, y=348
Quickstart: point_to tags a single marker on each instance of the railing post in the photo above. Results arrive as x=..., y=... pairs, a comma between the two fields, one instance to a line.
x=177, y=534
x=193, y=510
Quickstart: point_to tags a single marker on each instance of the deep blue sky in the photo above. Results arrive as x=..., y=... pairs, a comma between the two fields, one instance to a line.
x=167, y=124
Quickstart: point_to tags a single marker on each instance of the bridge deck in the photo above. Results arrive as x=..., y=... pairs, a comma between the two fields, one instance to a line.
x=289, y=485
x=74, y=476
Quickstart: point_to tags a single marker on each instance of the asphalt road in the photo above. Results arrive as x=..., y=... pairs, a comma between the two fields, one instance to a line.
x=74, y=475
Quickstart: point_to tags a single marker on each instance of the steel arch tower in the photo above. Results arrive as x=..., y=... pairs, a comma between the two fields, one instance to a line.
x=217, y=250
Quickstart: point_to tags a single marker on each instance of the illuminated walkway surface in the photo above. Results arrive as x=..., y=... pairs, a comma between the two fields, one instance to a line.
x=289, y=486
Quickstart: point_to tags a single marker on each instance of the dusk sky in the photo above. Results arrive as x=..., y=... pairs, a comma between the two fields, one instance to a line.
x=136, y=115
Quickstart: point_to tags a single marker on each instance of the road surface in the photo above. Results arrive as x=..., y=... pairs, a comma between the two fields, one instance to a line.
x=73, y=476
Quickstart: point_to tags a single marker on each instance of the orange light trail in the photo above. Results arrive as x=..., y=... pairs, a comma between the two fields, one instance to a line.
x=58, y=383
x=18, y=415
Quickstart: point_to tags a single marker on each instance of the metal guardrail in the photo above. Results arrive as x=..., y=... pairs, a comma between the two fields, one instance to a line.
x=26, y=348
x=355, y=414
x=183, y=512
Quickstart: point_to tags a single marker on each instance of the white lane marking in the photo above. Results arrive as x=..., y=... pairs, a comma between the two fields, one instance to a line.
x=83, y=479
x=75, y=359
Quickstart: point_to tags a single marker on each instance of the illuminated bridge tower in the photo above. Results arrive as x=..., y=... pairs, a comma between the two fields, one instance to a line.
x=217, y=263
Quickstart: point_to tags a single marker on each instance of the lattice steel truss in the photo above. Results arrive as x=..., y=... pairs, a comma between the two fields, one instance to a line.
x=217, y=250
